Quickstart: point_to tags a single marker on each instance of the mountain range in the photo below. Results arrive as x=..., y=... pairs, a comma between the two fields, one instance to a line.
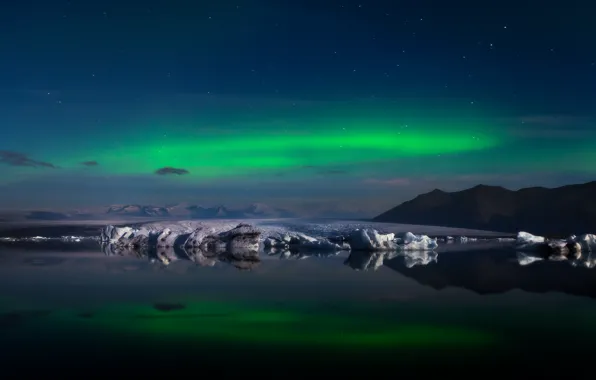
x=184, y=211
x=190, y=211
x=557, y=211
x=180, y=211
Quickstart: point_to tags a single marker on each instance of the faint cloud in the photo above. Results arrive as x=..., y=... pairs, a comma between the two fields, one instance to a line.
x=21, y=159
x=170, y=170
x=553, y=126
x=479, y=178
x=90, y=163
x=389, y=182
x=554, y=120
x=313, y=169
x=332, y=172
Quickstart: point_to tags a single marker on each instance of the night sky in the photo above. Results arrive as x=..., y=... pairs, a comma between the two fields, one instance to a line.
x=351, y=106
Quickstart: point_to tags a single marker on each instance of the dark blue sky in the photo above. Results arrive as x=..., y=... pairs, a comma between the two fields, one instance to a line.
x=79, y=74
x=306, y=48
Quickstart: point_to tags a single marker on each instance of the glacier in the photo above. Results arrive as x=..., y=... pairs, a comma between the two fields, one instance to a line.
x=227, y=236
x=241, y=243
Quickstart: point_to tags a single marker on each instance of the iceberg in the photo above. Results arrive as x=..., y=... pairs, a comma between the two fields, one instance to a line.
x=576, y=249
x=527, y=241
x=243, y=237
x=111, y=233
x=465, y=239
x=166, y=238
x=418, y=242
x=573, y=245
x=371, y=240
x=196, y=237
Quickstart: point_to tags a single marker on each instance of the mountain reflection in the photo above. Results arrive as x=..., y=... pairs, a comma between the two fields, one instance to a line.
x=498, y=271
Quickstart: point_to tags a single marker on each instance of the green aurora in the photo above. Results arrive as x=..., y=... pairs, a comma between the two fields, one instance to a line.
x=308, y=148
x=218, y=146
x=212, y=147
x=247, y=153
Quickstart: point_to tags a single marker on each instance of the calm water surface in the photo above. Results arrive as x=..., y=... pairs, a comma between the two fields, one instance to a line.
x=74, y=308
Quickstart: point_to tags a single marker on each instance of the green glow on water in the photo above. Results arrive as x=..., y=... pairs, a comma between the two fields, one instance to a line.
x=202, y=322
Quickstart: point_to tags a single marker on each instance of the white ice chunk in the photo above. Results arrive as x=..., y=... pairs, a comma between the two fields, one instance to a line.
x=372, y=240
x=527, y=241
x=272, y=242
x=418, y=242
x=196, y=237
x=301, y=241
x=114, y=234
x=166, y=238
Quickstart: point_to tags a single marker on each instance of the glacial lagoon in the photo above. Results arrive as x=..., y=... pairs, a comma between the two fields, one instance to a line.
x=75, y=303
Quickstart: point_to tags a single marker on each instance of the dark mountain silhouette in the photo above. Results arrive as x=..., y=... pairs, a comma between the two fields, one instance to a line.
x=558, y=211
x=492, y=272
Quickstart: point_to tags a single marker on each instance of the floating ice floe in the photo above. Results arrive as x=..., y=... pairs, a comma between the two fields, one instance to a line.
x=576, y=249
x=412, y=242
x=465, y=239
x=527, y=241
x=372, y=240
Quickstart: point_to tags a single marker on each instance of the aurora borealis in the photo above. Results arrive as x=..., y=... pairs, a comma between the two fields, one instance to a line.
x=357, y=106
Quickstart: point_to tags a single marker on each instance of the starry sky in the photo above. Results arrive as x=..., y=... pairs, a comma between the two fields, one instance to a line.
x=320, y=106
